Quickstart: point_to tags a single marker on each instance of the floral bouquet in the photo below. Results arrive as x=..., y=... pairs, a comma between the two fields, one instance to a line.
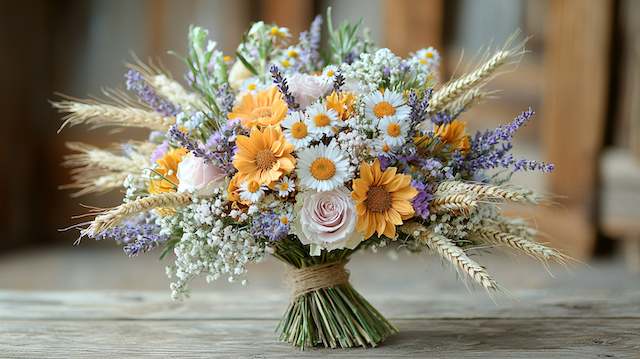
x=308, y=154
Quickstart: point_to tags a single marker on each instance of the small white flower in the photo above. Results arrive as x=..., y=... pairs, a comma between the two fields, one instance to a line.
x=394, y=130
x=285, y=186
x=279, y=32
x=322, y=120
x=329, y=73
x=428, y=56
x=251, y=191
x=323, y=167
x=382, y=148
x=388, y=103
x=296, y=130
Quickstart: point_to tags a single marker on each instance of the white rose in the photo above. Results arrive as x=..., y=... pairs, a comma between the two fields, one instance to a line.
x=307, y=88
x=238, y=74
x=326, y=220
x=197, y=176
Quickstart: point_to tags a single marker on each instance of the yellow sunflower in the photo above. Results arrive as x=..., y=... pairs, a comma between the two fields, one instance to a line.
x=454, y=134
x=264, y=156
x=342, y=104
x=266, y=108
x=167, y=166
x=383, y=199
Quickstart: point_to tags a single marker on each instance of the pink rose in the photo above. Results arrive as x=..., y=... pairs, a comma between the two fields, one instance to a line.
x=307, y=89
x=326, y=220
x=198, y=176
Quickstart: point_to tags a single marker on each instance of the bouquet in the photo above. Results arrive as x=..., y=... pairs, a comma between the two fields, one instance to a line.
x=308, y=154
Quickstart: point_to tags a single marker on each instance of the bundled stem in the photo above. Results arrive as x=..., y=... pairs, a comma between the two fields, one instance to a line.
x=330, y=314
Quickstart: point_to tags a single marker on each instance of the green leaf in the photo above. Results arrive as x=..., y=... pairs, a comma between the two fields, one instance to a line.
x=246, y=63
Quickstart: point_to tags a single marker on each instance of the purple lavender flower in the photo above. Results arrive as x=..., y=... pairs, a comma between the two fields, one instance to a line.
x=421, y=200
x=192, y=146
x=221, y=145
x=492, y=149
x=138, y=235
x=309, y=43
x=268, y=225
x=283, y=86
x=338, y=82
x=418, y=107
x=136, y=83
x=159, y=151
x=226, y=99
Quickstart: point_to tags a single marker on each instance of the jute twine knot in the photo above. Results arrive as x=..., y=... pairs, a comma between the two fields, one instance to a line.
x=308, y=279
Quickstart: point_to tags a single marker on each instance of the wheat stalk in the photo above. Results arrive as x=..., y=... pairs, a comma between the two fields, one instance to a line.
x=486, y=191
x=112, y=217
x=463, y=102
x=94, y=181
x=457, y=256
x=481, y=75
x=97, y=115
x=91, y=156
x=534, y=249
x=453, y=203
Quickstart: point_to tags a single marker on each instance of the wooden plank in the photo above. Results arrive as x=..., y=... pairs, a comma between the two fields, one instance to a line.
x=293, y=14
x=413, y=24
x=130, y=305
x=575, y=101
x=492, y=338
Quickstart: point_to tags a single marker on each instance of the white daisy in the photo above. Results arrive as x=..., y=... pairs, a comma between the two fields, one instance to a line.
x=323, y=167
x=253, y=85
x=251, y=191
x=285, y=186
x=329, y=73
x=285, y=218
x=428, y=56
x=382, y=148
x=388, y=103
x=322, y=120
x=296, y=130
x=393, y=130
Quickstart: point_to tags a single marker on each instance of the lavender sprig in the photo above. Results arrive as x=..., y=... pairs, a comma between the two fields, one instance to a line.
x=226, y=99
x=192, y=146
x=136, y=83
x=136, y=236
x=283, y=86
x=338, y=82
x=268, y=225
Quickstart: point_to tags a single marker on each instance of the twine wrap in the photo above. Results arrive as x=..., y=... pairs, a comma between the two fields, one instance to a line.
x=308, y=279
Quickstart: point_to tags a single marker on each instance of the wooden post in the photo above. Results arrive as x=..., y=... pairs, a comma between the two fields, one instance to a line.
x=413, y=24
x=575, y=102
x=293, y=14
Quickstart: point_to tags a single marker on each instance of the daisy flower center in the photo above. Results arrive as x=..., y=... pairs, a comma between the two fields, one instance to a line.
x=284, y=186
x=330, y=73
x=322, y=168
x=386, y=148
x=378, y=199
x=299, y=130
x=429, y=55
x=251, y=87
x=253, y=186
x=293, y=53
x=265, y=160
x=262, y=112
x=286, y=63
x=393, y=130
x=284, y=220
x=383, y=108
x=423, y=61
x=321, y=120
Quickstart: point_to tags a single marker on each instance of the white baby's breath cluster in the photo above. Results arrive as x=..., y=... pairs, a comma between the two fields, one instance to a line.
x=370, y=69
x=458, y=227
x=208, y=246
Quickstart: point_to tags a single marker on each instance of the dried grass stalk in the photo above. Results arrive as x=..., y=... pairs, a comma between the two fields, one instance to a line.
x=458, y=203
x=98, y=114
x=481, y=75
x=486, y=191
x=465, y=101
x=112, y=217
x=91, y=156
x=94, y=181
x=534, y=249
x=463, y=264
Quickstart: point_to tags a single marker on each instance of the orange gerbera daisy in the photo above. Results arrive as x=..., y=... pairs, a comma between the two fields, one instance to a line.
x=264, y=156
x=383, y=199
x=168, y=169
x=454, y=134
x=266, y=108
x=341, y=103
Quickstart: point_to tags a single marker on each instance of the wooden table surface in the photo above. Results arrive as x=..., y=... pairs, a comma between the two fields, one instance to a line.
x=589, y=312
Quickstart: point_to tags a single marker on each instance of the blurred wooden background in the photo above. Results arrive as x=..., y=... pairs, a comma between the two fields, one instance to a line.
x=581, y=76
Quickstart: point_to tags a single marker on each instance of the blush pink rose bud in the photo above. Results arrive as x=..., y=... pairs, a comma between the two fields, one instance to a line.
x=326, y=220
x=197, y=176
x=306, y=89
